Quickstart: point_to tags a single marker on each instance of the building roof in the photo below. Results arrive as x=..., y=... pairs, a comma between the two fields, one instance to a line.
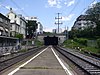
x=1, y=15
x=83, y=17
x=18, y=15
x=11, y=11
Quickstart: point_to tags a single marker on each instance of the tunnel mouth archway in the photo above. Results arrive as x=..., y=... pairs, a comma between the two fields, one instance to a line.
x=48, y=40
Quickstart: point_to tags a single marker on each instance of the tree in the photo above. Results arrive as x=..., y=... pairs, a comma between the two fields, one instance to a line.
x=20, y=36
x=94, y=15
x=31, y=28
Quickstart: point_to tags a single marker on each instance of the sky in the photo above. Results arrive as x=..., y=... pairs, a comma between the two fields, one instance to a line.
x=46, y=10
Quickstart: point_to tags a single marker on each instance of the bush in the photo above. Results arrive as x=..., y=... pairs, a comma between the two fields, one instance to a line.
x=38, y=43
x=98, y=42
x=71, y=43
x=82, y=41
x=20, y=36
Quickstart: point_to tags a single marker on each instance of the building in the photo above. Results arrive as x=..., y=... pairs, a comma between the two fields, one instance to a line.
x=18, y=23
x=7, y=43
x=31, y=18
x=4, y=25
x=83, y=22
x=40, y=28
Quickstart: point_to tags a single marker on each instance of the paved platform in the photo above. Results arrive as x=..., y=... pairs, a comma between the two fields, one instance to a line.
x=44, y=63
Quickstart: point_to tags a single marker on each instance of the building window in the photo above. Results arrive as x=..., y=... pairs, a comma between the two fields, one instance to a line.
x=15, y=16
x=1, y=19
x=0, y=32
x=11, y=27
x=8, y=16
x=15, y=21
x=20, y=22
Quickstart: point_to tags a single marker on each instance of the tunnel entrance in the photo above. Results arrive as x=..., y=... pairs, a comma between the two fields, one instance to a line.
x=51, y=40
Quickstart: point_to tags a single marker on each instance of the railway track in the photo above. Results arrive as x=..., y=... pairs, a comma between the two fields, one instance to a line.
x=4, y=64
x=89, y=65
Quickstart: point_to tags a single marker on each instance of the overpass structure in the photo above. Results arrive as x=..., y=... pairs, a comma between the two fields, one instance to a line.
x=61, y=37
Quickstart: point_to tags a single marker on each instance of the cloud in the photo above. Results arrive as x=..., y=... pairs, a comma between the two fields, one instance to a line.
x=54, y=3
x=46, y=29
x=7, y=7
x=58, y=6
x=65, y=3
x=70, y=3
x=59, y=3
x=67, y=18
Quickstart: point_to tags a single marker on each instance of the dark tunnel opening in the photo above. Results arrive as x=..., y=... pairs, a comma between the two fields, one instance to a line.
x=51, y=40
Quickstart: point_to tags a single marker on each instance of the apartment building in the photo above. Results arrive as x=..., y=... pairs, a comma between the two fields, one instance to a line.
x=4, y=25
x=18, y=23
x=83, y=22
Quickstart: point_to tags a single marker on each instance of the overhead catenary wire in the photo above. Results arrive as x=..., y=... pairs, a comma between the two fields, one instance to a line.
x=19, y=7
x=2, y=5
x=73, y=8
x=83, y=10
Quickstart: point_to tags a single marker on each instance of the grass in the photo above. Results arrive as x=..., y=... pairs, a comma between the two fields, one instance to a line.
x=72, y=44
x=92, y=49
x=38, y=43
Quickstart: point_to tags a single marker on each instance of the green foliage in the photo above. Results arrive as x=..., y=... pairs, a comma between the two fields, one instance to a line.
x=38, y=43
x=20, y=36
x=91, y=49
x=75, y=44
x=71, y=44
x=95, y=9
x=86, y=33
x=31, y=27
x=98, y=42
x=81, y=41
x=94, y=15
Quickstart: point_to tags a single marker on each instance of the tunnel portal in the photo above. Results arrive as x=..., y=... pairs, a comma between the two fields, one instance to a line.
x=51, y=40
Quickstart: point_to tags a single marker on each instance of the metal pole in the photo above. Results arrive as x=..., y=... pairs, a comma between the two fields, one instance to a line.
x=58, y=21
x=67, y=33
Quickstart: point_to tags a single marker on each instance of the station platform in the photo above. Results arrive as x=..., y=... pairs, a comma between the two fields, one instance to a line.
x=44, y=63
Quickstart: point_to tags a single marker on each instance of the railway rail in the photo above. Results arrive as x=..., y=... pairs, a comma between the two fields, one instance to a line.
x=89, y=65
x=17, y=57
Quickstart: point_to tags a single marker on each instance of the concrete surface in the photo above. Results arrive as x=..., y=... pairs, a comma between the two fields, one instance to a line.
x=45, y=64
